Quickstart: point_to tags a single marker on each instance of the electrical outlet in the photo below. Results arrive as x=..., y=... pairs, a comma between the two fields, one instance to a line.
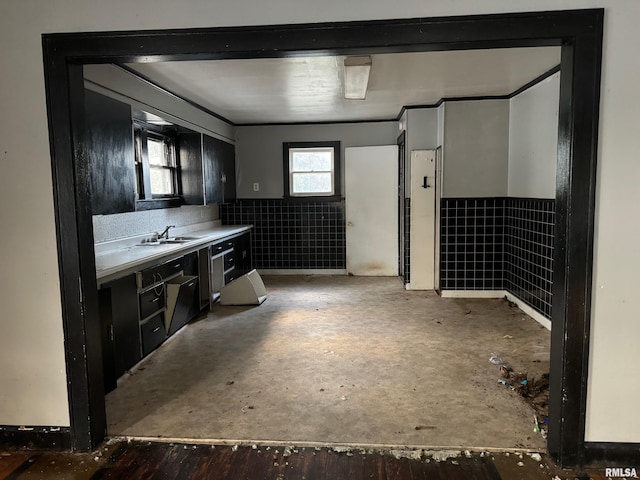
x=256, y=187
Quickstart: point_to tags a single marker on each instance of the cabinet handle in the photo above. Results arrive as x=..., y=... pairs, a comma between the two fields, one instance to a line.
x=191, y=284
x=155, y=329
x=176, y=265
x=155, y=299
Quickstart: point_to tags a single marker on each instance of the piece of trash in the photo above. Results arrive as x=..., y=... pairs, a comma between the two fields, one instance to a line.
x=536, y=456
x=495, y=359
x=254, y=447
x=536, y=425
x=523, y=382
x=230, y=382
x=234, y=448
x=520, y=464
x=425, y=427
x=505, y=371
x=343, y=397
x=504, y=382
x=508, y=337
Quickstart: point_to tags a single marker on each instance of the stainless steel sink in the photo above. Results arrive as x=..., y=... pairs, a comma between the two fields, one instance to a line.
x=162, y=241
x=183, y=239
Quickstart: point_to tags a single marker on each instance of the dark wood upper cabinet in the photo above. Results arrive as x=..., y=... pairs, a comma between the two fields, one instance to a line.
x=190, y=155
x=219, y=160
x=229, y=172
x=109, y=141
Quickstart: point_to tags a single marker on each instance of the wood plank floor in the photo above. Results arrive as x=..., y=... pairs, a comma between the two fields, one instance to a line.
x=150, y=461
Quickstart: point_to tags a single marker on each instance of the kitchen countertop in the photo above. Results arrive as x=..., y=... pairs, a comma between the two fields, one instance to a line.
x=119, y=258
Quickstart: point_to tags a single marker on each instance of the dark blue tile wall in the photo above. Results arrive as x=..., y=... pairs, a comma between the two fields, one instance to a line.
x=292, y=234
x=499, y=244
x=407, y=240
x=472, y=244
x=529, y=235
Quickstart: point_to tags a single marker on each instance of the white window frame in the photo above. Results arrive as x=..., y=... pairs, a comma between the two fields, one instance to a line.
x=292, y=172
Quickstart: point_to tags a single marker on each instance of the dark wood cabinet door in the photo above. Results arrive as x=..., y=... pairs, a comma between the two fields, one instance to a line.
x=125, y=324
x=242, y=253
x=212, y=170
x=219, y=159
x=228, y=172
x=109, y=143
x=190, y=154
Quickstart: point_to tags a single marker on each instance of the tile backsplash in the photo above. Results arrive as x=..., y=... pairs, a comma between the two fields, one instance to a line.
x=122, y=225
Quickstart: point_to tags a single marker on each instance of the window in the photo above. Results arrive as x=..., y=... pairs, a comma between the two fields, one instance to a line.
x=312, y=169
x=156, y=165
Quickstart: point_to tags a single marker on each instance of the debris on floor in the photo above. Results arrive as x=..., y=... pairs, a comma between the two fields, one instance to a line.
x=510, y=303
x=535, y=391
x=495, y=359
x=505, y=371
x=425, y=427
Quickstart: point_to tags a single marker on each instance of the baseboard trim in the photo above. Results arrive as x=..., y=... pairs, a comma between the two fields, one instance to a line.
x=473, y=293
x=618, y=453
x=299, y=271
x=35, y=438
x=538, y=317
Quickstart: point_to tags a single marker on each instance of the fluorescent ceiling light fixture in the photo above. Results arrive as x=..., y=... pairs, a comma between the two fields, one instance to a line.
x=356, y=77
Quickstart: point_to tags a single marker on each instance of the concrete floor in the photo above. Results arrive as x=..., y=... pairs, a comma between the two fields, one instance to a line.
x=347, y=360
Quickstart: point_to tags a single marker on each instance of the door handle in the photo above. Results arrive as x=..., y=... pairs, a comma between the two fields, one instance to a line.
x=424, y=183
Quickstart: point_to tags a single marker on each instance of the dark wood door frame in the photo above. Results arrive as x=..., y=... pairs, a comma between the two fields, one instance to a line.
x=578, y=32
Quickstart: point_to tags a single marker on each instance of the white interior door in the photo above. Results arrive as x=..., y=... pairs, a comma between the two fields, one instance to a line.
x=371, y=207
x=423, y=220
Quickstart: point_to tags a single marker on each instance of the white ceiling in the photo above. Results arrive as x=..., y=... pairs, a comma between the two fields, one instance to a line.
x=309, y=89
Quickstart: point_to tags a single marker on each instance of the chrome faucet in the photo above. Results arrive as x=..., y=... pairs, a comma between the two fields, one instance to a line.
x=165, y=232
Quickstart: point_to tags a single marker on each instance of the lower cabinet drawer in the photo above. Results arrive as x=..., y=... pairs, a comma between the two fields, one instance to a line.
x=229, y=277
x=151, y=301
x=153, y=333
x=229, y=261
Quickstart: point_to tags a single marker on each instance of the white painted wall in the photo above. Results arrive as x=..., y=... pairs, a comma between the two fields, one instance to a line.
x=533, y=140
x=259, y=150
x=440, y=135
x=33, y=375
x=421, y=125
x=476, y=150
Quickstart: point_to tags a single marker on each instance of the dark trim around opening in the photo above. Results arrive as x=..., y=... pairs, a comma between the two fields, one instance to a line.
x=579, y=32
x=36, y=438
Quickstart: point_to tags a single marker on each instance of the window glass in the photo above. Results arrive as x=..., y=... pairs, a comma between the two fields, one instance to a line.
x=156, y=152
x=311, y=171
x=156, y=165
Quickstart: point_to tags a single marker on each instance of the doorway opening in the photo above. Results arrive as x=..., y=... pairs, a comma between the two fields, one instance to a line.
x=579, y=33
